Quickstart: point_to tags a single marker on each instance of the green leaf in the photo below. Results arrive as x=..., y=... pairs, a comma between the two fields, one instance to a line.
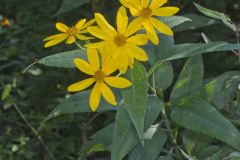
x=191, y=50
x=220, y=90
x=64, y=59
x=164, y=75
x=195, y=142
x=6, y=91
x=68, y=5
x=100, y=141
x=198, y=115
x=155, y=52
x=79, y=103
x=216, y=15
x=125, y=136
x=190, y=78
x=196, y=23
x=173, y=21
x=153, y=110
x=135, y=97
x=152, y=145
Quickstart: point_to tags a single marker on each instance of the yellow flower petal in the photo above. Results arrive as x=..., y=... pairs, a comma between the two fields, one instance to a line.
x=82, y=37
x=161, y=27
x=83, y=31
x=61, y=27
x=130, y=3
x=108, y=94
x=122, y=20
x=97, y=32
x=121, y=62
x=139, y=39
x=84, y=66
x=95, y=97
x=152, y=35
x=134, y=26
x=165, y=11
x=80, y=23
x=145, y=3
x=54, y=36
x=93, y=58
x=79, y=86
x=118, y=82
x=56, y=41
x=97, y=45
x=157, y=3
x=137, y=52
x=107, y=64
x=103, y=24
x=89, y=23
x=71, y=40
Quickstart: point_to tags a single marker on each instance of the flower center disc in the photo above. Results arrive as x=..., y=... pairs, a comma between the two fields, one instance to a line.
x=99, y=76
x=146, y=12
x=120, y=40
x=72, y=31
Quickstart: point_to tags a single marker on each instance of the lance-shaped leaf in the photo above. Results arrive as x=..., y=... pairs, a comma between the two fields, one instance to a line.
x=196, y=114
x=190, y=78
x=64, y=59
x=79, y=103
x=125, y=136
x=135, y=97
x=191, y=50
x=68, y=5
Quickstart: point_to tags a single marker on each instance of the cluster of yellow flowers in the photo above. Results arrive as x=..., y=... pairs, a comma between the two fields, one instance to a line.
x=118, y=48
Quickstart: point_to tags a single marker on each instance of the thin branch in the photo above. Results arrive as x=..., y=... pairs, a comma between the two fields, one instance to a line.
x=34, y=131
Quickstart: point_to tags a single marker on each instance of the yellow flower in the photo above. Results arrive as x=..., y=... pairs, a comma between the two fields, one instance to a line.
x=6, y=22
x=100, y=76
x=121, y=43
x=69, y=33
x=145, y=13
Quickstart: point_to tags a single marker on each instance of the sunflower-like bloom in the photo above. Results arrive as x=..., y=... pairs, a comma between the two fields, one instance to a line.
x=69, y=33
x=101, y=76
x=146, y=13
x=121, y=44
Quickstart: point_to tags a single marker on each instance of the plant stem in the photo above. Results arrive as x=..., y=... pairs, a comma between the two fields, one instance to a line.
x=34, y=131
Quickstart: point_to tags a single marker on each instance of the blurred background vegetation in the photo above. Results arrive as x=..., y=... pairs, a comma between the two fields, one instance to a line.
x=26, y=99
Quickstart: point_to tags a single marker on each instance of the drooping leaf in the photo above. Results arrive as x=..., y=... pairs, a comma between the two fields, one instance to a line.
x=79, y=103
x=64, y=59
x=196, y=23
x=190, y=78
x=125, y=136
x=196, y=114
x=135, y=97
x=68, y=5
x=191, y=50
x=216, y=15
x=152, y=145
